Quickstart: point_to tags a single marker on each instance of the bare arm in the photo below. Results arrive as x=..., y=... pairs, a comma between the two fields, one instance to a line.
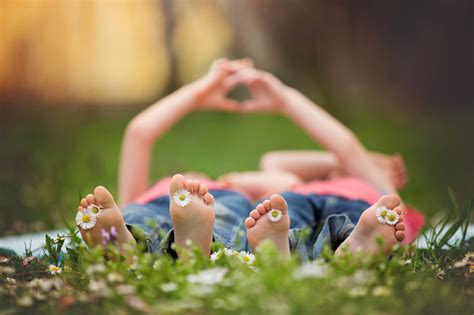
x=307, y=165
x=269, y=94
x=150, y=125
x=335, y=137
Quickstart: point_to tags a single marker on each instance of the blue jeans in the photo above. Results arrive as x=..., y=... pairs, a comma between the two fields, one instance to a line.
x=329, y=220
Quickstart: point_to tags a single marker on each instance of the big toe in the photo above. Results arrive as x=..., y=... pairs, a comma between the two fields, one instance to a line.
x=389, y=201
x=177, y=182
x=279, y=203
x=104, y=197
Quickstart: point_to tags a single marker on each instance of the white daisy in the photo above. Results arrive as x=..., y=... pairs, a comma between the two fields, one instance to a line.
x=54, y=270
x=182, y=197
x=85, y=219
x=215, y=256
x=247, y=258
x=208, y=277
x=274, y=215
x=229, y=252
x=94, y=209
x=169, y=287
x=381, y=213
x=392, y=217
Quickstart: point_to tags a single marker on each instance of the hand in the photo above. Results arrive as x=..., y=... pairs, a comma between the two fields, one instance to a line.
x=268, y=93
x=213, y=88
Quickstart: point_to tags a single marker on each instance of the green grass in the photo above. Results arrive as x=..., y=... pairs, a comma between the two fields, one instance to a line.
x=414, y=281
x=52, y=157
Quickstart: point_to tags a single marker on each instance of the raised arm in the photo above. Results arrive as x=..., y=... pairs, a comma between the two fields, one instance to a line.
x=150, y=125
x=271, y=95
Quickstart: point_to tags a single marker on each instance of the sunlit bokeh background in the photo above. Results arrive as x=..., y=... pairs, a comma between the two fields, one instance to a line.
x=73, y=73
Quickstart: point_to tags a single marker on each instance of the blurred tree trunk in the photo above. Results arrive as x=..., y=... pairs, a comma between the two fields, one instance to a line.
x=169, y=21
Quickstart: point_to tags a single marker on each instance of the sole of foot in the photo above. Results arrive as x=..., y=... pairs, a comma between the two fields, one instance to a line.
x=193, y=215
x=261, y=225
x=108, y=219
x=364, y=236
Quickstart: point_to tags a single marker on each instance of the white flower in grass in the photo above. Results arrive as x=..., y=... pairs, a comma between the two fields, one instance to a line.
x=182, y=197
x=54, y=270
x=86, y=219
x=169, y=287
x=381, y=214
x=314, y=269
x=247, y=258
x=392, y=217
x=229, y=252
x=208, y=277
x=215, y=256
x=97, y=268
x=274, y=215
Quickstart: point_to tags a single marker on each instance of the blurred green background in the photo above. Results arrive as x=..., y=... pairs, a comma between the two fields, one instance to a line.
x=73, y=74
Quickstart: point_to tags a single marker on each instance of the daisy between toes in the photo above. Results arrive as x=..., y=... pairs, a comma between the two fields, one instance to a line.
x=87, y=218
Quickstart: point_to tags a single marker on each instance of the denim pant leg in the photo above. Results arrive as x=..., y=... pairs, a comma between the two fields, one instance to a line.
x=231, y=209
x=152, y=221
x=335, y=218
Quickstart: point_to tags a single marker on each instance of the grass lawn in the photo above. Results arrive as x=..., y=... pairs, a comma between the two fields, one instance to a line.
x=51, y=158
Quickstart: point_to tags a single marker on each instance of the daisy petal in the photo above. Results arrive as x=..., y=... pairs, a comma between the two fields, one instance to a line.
x=182, y=197
x=274, y=215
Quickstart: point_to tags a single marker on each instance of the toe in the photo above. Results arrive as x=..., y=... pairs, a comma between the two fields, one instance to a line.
x=260, y=208
x=90, y=199
x=80, y=208
x=188, y=184
x=268, y=205
x=400, y=235
x=399, y=210
x=400, y=227
x=249, y=222
x=203, y=190
x=389, y=201
x=84, y=203
x=196, y=186
x=255, y=214
x=278, y=202
x=177, y=182
x=104, y=197
x=209, y=199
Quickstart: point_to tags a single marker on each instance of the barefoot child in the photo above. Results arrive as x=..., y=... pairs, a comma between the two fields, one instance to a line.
x=337, y=211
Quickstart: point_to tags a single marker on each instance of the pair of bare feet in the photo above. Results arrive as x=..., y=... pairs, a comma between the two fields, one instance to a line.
x=192, y=215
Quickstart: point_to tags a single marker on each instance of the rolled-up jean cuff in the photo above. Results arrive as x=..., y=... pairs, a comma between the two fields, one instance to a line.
x=297, y=241
x=344, y=232
x=149, y=237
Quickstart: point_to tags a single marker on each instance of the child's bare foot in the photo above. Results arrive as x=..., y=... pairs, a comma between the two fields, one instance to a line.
x=393, y=166
x=109, y=219
x=368, y=229
x=269, y=220
x=192, y=213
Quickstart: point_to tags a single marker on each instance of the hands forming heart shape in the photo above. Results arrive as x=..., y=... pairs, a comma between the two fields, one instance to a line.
x=267, y=92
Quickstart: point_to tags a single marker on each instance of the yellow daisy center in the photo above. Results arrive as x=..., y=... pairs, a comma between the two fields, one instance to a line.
x=383, y=213
x=54, y=268
x=95, y=209
x=246, y=258
x=86, y=218
x=274, y=214
x=391, y=217
x=182, y=197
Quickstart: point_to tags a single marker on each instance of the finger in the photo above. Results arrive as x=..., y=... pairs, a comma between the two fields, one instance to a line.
x=218, y=62
x=250, y=106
